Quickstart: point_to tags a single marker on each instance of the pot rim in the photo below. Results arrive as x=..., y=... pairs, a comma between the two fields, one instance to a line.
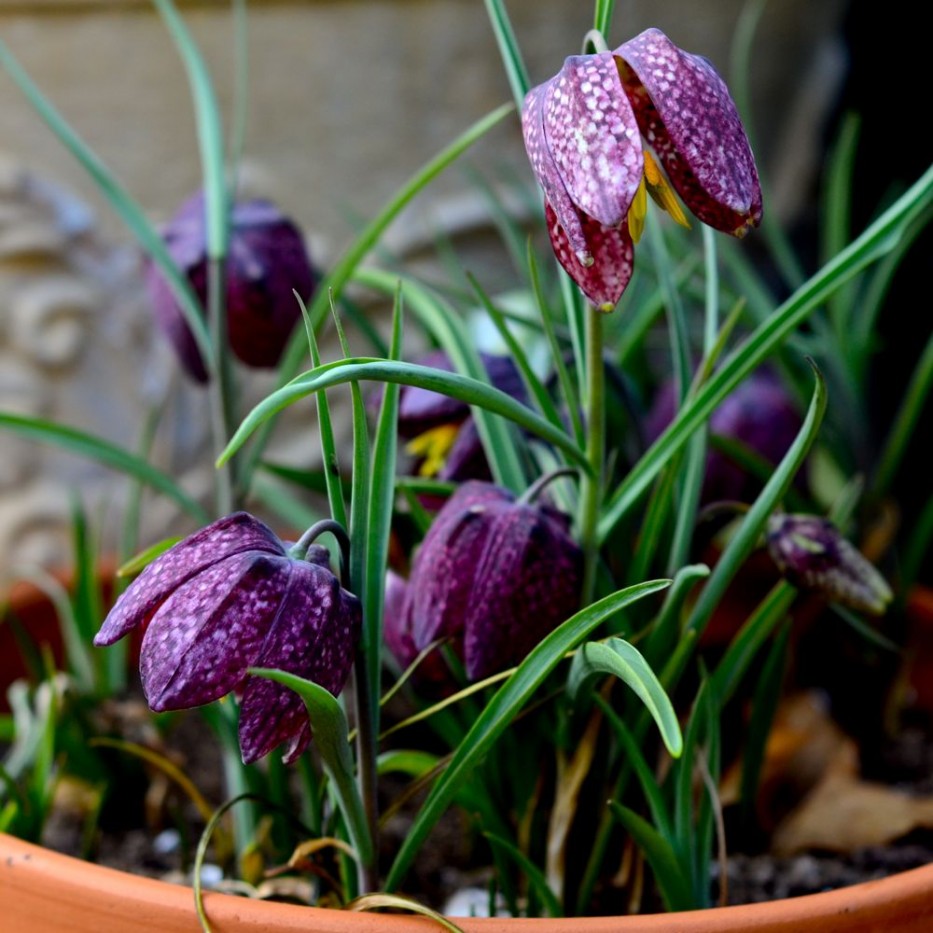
x=47, y=891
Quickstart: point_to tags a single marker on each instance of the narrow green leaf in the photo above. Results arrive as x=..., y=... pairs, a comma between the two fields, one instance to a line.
x=379, y=520
x=668, y=872
x=329, y=725
x=95, y=448
x=341, y=272
x=536, y=877
x=635, y=758
x=500, y=441
x=508, y=49
x=620, y=659
x=533, y=384
x=119, y=199
x=765, y=701
x=502, y=709
x=355, y=369
x=138, y=562
x=329, y=457
x=210, y=132
x=752, y=525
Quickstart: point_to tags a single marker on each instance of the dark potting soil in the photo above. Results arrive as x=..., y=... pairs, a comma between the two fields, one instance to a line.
x=166, y=851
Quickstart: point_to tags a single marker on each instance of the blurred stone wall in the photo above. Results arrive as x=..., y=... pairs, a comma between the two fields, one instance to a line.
x=347, y=98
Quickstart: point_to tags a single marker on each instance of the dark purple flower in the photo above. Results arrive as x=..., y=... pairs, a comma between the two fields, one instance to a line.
x=587, y=133
x=496, y=573
x=813, y=555
x=441, y=431
x=759, y=414
x=267, y=260
x=230, y=597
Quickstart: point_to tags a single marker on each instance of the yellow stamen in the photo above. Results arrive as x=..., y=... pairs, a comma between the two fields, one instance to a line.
x=654, y=183
x=433, y=445
x=638, y=211
x=661, y=192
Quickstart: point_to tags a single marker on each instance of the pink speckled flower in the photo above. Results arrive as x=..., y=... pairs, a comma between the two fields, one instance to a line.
x=231, y=597
x=587, y=131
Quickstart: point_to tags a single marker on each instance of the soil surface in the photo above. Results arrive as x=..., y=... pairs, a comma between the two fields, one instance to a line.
x=166, y=852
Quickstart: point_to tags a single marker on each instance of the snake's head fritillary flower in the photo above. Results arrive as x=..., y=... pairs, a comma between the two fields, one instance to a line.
x=590, y=133
x=267, y=262
x=495, y=573
x=813, y=555
x=230, y=597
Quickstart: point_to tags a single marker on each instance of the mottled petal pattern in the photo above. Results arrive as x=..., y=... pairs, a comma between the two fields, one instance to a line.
x=604, y=280
x=527, y=582
x=230, y=535
x=442, y=573
x=593, y=138
x=498, y=573
x=229, y=598
x=205, y=635
x=688, y=117
x=545, y=169
x=313, y=635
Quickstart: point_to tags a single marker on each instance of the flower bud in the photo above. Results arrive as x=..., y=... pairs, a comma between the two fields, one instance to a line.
x=812, y=554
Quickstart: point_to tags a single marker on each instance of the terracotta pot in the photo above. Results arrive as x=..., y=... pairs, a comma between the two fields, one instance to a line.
x=45, y=892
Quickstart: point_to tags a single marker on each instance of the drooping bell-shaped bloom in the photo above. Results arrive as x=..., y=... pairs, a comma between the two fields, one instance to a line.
x=494, y=574
x=230, y=597
x=813, y=555
x=590, y=132
x=267, y=261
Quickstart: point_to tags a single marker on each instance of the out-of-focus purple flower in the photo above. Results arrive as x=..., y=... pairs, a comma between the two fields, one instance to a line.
x=442, y=434
x=267, y=260
x=588, y=131
x=230, y=597
x=496, y=573
x=813, y=555
x=759, y=414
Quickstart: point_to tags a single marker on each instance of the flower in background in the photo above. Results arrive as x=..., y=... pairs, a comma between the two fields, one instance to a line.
x=588, y=131
x=759, y=414
x=812, y=554
x=442, y=434
x=494, y=574
x=230, y=597
x=266, y=262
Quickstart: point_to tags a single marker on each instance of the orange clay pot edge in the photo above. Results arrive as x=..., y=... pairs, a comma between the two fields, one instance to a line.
x=46, y=892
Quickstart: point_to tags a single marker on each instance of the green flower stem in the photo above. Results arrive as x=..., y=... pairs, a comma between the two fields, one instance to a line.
x=592, y=482
x=220, y=387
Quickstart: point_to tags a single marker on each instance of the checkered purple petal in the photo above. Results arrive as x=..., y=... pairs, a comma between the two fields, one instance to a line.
x=527, y=582
x=612, y=253
x=233, y=534
x=592, y=136
x=210, y=629
x=314, y=635
x=688, y=117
